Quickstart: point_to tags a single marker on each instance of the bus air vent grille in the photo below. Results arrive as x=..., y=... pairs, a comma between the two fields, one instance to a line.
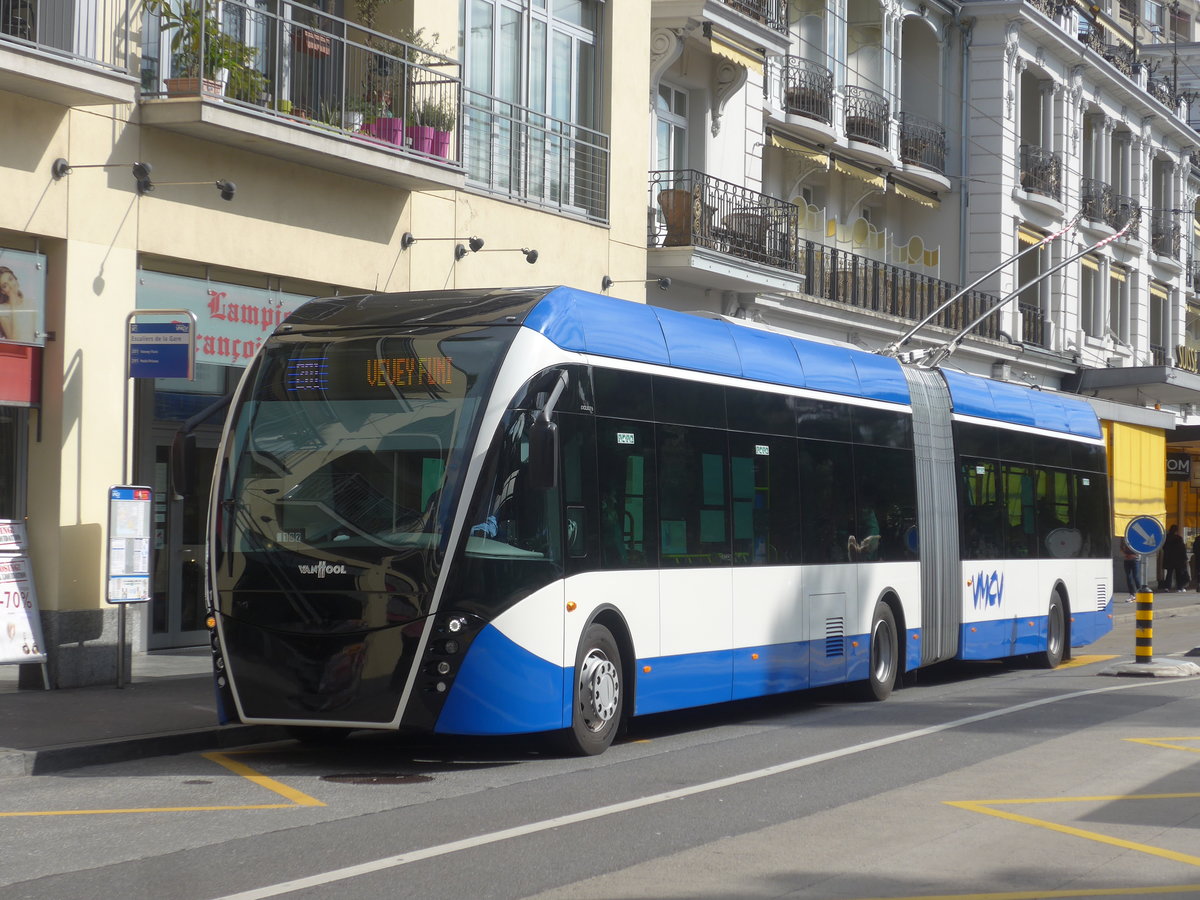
x=835, y=637
x=1101, y=595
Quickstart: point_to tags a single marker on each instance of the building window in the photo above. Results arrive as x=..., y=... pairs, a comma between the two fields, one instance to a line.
x=1159, y=323
x=12, y=437
x=1091, y=302
x=533, y=100
x=1118, y=303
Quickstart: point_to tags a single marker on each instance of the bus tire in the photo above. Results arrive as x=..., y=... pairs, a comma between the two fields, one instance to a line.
x=599, y=693
x=1056, y=634
x=883, y=654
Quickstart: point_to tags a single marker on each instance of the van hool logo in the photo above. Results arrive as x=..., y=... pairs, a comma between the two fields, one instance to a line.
x=322, y=569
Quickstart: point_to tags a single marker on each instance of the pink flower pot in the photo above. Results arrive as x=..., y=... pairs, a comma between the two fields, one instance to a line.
x=441, y=143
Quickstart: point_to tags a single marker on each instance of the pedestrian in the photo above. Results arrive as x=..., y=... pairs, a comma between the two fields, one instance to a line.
x=1130, y=559
x=1196, y=562
x=1175, y=562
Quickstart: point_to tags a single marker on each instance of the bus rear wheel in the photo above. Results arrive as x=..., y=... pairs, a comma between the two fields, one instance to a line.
x=884, y=653
x=1056, y=635
x=599, y=695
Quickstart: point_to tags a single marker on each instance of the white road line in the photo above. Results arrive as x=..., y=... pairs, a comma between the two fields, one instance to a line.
x=403, y=859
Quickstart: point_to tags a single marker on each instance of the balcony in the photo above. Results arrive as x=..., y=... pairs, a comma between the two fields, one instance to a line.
x=1165, y=235
x=72, y=54
x=867, y=117
x=1033, y=324
x=311, y=88
x=528, y=157
x=1041, y=172
x=736, y=228
x=772, y=13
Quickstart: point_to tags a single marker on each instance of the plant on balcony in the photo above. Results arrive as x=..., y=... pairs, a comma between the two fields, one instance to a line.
x=433, y=121
x=201, y=51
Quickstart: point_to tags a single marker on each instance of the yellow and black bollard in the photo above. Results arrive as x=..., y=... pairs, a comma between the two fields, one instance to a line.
x=1144, y=627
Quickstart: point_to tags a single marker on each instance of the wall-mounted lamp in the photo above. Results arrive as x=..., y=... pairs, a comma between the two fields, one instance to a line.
x=531, y=255
x=473, y=244
x=141, y=176
x=663, y=283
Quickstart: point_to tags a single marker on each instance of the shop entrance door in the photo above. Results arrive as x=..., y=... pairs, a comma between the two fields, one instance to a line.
x=177, y=610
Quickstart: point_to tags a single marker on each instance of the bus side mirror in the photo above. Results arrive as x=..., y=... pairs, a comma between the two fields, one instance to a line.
x=183, y=464
x=543, y=455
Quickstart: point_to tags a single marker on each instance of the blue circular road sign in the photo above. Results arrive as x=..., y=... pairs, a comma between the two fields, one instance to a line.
x=1144, y=534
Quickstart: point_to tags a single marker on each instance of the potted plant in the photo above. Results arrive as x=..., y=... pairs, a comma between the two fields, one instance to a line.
x=441, y=116
x=202, y=53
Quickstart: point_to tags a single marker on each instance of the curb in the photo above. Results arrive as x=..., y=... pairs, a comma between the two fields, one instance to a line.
x=45, y=760
x=1155, y=668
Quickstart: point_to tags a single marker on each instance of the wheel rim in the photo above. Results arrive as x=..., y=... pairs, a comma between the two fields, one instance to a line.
x=599, y=690
x=1054, y=637
x=883, y=652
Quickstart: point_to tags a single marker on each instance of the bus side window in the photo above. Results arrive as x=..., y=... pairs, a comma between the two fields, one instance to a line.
x=628, y=500
x=982, y=510
x=577, y=438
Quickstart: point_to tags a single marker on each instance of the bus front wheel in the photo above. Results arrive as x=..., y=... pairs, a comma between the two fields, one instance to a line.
x=884, y=653
x=599, y=695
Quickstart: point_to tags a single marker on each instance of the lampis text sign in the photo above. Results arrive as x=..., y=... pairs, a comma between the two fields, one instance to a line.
x=130, y=519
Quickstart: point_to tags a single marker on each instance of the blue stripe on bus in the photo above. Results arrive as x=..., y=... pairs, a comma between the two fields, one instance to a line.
x=592, y=323
x=482, y=698
x=999, y=638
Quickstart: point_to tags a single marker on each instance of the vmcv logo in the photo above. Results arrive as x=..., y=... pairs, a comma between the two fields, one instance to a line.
x=322, y=569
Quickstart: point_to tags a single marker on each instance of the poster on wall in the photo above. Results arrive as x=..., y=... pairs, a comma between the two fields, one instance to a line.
x=20, y=625
x=22, y=297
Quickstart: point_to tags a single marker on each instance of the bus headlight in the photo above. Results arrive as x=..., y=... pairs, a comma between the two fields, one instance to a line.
x=456, y=624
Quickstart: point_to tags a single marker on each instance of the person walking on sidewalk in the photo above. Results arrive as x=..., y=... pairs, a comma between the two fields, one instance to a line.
x=1195, y=585
x=1130, y=560
x=1175, y=562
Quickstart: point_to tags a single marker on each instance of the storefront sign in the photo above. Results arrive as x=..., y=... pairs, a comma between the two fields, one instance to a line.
x=233, y=320
x=22, y=297
x=1179, y=467
x=1187, y=358
x=20, y=625
x=12, y=536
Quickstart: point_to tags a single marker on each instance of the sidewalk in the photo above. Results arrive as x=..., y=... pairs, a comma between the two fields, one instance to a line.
x=170, y=707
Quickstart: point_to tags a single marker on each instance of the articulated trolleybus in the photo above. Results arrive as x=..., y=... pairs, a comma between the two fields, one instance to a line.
x=544, y=510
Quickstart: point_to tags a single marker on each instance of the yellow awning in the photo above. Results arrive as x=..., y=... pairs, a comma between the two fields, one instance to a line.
x=1158, y=290
x=1116, y=273
x=872, y=178
x=735, y=52
x=1113, y=28
x=1028, y=235
x=1090, y=262
x=917, y=196
x=820, y=157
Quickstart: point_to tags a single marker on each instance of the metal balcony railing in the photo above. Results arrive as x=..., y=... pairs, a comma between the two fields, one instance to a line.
x=1096, y=200
x=97, y=33
x=866, y=116
x=527, y=156
x=1033, y=324
x=1158, y=355
x=294, y=61
x=1051, y=8
x=922, y=142
x=770, y=12
x=1041, y=172
x=1123, y=210
x=695, y=209
x=1165, y=234
x=807, y=88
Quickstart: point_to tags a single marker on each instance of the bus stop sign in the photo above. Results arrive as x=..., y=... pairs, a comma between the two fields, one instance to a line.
x=1144, y=534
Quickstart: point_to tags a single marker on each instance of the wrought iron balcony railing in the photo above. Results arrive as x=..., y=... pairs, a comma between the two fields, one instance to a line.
x=922, y=142
x=1165, y=234
x=530, y=157
x=1041, y=172
x=695, y=209
x=97, y=32
x=1096, y=199
x=1158, y=355
x=294, y=61
x=771, y=12
x=866, y=116
x=699, y=210
x=807, y=88
x=1033, y=324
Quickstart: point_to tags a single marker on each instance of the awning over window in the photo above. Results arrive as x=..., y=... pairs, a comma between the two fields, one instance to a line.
x=872, y=178
x=820, y=157
x=918, y=196
x=1028, y=235
x=734, y=52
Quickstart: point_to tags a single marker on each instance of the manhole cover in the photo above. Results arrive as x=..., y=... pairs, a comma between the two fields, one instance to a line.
x=377, y=778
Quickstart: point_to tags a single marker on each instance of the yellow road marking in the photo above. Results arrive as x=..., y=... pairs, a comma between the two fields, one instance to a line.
x=1077, y=661
x=296, y=797
x=985, y=808
x=278, y=787
x=1162, y=742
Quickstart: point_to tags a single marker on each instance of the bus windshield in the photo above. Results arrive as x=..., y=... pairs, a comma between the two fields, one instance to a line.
x=351, y=446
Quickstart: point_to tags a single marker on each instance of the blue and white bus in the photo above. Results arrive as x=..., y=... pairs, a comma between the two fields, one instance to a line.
x=545, y=510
